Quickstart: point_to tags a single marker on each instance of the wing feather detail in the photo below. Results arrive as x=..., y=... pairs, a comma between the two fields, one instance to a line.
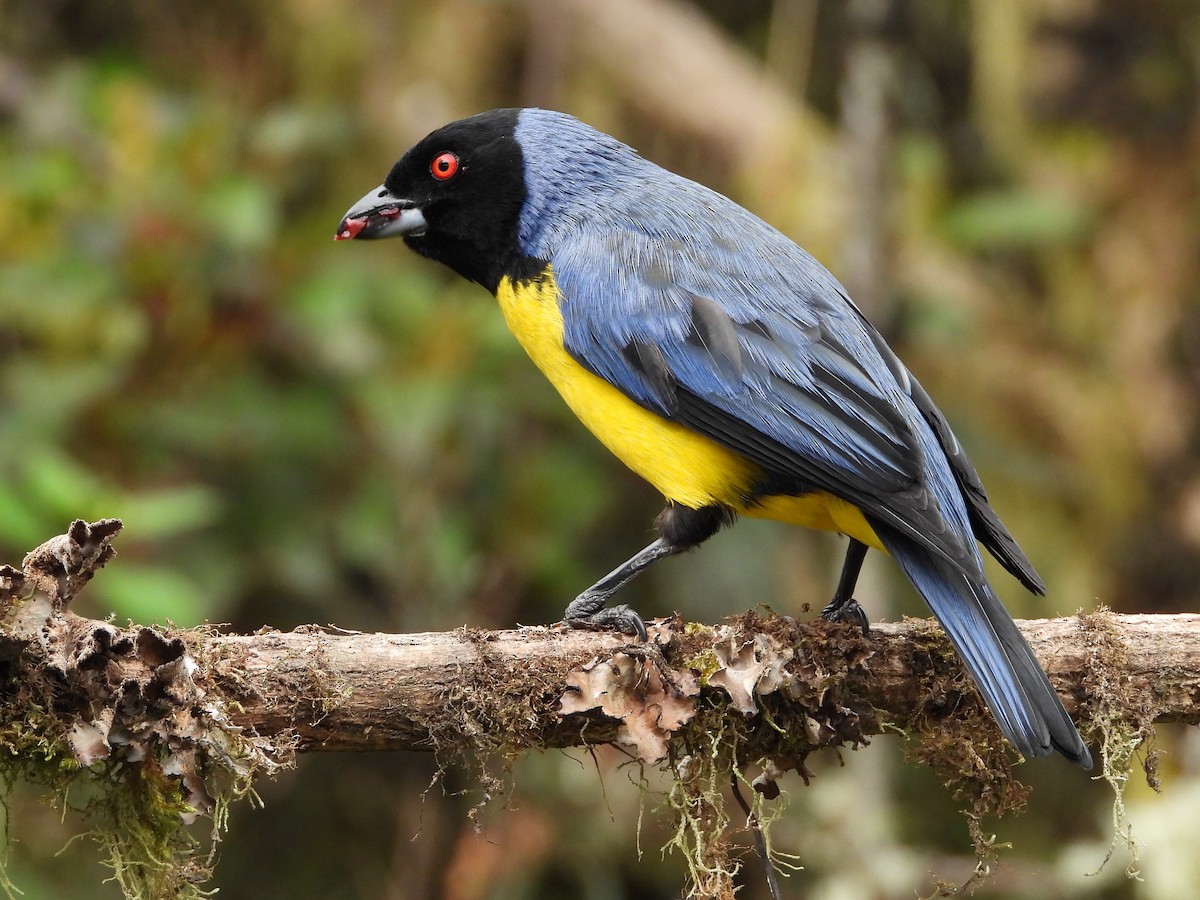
x=780, y=368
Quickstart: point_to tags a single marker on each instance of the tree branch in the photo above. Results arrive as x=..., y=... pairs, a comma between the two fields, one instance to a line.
x=317, y=689
x=410, y=692
x=165, y=723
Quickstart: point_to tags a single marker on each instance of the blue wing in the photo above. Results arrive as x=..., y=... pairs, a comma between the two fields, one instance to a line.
x=743, y=337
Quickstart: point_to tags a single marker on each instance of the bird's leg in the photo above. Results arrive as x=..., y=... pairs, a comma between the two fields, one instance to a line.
x=680, y=528
x=589, y=610
x=843, y=607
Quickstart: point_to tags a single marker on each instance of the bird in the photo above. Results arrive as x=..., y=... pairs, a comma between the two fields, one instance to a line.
x=724, y=365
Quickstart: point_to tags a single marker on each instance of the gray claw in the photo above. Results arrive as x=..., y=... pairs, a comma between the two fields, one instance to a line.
x=850, y=611
x=583, y=614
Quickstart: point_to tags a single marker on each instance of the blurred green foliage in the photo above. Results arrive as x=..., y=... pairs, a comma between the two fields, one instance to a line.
x=297, y=431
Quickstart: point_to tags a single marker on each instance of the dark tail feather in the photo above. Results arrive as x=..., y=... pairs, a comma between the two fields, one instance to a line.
x=1012, y=682
x=984, y=521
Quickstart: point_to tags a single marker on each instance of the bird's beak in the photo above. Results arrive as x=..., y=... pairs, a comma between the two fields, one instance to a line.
x=380, y=215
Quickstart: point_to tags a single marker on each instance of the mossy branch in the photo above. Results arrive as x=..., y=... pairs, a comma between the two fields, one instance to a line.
x=205, y=712
x=325, y=689
x=338, y=691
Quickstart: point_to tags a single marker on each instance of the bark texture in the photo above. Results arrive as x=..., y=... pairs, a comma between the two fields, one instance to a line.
x=384, y=691
x=315, y=689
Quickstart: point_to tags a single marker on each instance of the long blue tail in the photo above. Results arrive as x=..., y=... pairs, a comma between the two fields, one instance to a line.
x=1012, y=682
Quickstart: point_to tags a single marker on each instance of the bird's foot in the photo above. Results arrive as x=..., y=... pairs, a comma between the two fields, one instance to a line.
x=847, y=610
x=589, y=611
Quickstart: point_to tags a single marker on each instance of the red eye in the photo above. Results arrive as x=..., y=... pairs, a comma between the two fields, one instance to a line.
x=444, y=165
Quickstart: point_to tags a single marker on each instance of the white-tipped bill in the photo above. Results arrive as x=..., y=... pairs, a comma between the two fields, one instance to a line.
x=378, y=215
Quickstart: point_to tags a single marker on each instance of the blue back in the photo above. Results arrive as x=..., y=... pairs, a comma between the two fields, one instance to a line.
x=633, y=246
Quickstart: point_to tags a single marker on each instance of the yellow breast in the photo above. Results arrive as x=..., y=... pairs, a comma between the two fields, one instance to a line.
x=686, y=467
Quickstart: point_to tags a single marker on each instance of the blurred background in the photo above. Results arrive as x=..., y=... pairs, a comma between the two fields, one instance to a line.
x=299, y=431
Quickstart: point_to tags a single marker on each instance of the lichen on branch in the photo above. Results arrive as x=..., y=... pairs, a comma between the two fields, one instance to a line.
x=144, y=729
x=114, y=723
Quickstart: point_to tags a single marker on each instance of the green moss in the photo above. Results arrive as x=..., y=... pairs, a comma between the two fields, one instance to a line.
x=1122, y=720
x=135, y=811
x=704, y=663
x=700, y=760
x=138, y=819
